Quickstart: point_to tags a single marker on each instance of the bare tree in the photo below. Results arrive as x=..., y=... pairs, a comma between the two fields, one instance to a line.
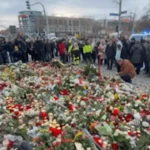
x=144, y=21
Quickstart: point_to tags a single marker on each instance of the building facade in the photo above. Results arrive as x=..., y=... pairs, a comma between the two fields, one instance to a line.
x=29, y=21
x=70, y=26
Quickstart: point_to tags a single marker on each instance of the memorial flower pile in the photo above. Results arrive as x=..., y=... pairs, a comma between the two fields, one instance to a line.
x=70, y=108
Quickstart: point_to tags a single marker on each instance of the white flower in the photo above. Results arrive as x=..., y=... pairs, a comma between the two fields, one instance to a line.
x=79, y=146
x=95, y=103
x=138, y=102
x=116, y=134
x=145, y=124
x=83, y=103
x=136, y=105
x=137, y=116
x=128, y=137
x=148, y=117
x=98, y=112
x=129, y=105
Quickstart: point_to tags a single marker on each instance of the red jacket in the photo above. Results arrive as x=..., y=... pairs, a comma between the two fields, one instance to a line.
x=61, y=48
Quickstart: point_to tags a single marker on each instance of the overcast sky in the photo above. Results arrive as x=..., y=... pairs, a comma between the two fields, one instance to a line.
x=98, y=9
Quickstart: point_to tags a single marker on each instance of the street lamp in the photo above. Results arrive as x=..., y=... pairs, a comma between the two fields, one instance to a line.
x=46, y=18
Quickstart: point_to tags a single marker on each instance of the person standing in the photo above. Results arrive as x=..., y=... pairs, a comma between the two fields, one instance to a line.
x=148, y=58
x=62, y=49
x=75, y=53
x=81, y=50
x=87, y=51
x=17, y=54
x=39, y=47
x=94, y=51
x=22, y=48
x=127, y=70
x=120, y=53
x=101, y=51
x=137, y=56
x=110, y=54
x=126, y=50
x=48, y=51
x=131, y=44
x=1, y=58
x=4, y=52
x=53, y=47
x=10, y=48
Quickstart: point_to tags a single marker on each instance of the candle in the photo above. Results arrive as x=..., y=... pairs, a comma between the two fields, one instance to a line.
x=115, y=146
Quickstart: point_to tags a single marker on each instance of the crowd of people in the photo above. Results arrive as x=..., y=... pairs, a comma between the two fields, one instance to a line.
x=109, y=51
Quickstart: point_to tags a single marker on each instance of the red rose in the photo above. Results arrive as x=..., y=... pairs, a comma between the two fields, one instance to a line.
x=38, y=124
x=64, y=92
x=70, y=107
x=115, y=112
x=130, y=133
x=28, y=107
x=56, y=98
x=55, y=132
x=10, y=145
x=73, y=125
x=19, y=107
x=43, y=115
x=128, y=117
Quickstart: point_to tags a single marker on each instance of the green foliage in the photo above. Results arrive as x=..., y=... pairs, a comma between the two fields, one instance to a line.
x=23, y=133
x=143, y=142
x=66, y=146
x=124, y=144
x=104, y=129
x=47, y=139
x=89, y=71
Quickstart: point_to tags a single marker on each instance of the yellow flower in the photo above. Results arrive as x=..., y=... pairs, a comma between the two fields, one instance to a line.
x=84, y=87
x=116, y=96
x=7, y=70
x=79, y=134
x=118, y=107
x=111, y=123
x=43, y=130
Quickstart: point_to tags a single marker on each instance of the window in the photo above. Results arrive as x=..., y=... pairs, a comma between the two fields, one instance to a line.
x=70, y=22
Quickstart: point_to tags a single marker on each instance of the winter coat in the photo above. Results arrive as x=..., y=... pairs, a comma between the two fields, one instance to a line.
x=126, y=49
x=124, y=53
x=61, y=48
x=48, y=47
x=39, y=46
x=110, y=51
x=127, y=68
x=137, y=52
x=148, y=52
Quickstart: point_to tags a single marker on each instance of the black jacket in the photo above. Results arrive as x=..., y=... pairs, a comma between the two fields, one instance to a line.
x=39, y=46
x=110, y=51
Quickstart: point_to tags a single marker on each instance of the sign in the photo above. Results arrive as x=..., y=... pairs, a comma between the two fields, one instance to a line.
x=123, y=12
x=12, y=29
x=113, y=14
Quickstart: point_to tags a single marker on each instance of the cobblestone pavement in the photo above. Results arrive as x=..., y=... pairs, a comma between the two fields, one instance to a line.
x=141, y=81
